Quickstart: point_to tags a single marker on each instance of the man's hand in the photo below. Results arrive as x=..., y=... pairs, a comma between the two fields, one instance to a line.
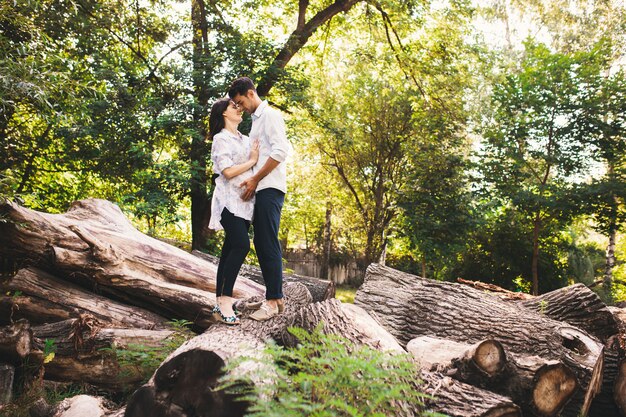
x=249, y=187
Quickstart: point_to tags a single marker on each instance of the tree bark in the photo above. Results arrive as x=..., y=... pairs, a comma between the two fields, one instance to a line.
x=16, y=342
x=457, y=399
x=93, y=244
x=409, y=306
x=579, y=306
x=320, y=289
x=45, y=298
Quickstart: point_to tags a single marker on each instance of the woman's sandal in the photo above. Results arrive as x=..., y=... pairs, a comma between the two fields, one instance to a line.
x=220, y=317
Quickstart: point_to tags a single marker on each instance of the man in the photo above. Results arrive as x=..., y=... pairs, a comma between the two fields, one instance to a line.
x=269, y=182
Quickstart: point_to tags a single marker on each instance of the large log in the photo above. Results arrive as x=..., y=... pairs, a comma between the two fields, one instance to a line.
x=409, y=306
x=528, y=381
x=186, y=380
x=95, y=245
x=86, y=352
x=579, y=306
x=320, y=289
x=45, y=299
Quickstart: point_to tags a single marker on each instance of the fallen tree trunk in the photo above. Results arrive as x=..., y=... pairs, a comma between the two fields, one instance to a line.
x=540, y=387
x=187, y=378
x=320, y=289
x=579, y=306
x=93, y=244
x=86, y=352
x=409, y=306
x=46, y=299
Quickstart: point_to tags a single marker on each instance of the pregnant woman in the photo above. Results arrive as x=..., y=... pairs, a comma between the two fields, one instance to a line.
x=233, y=155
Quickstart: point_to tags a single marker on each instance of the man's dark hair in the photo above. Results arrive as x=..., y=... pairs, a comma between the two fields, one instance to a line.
x=240, y=86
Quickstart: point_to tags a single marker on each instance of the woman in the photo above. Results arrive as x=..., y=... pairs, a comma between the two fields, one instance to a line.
x=233, y=155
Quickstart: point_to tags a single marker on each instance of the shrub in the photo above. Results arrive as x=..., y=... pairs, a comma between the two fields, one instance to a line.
x=326, y=375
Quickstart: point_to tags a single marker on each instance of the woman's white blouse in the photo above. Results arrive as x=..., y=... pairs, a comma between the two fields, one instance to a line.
x=228, y=150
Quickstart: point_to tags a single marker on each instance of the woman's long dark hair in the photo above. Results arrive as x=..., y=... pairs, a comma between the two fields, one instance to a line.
x=216, y=117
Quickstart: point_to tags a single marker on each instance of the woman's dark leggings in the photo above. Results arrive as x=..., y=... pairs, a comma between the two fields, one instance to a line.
x=236, y=247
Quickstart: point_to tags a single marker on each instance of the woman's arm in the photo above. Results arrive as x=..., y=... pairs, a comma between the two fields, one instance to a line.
x=235, y=170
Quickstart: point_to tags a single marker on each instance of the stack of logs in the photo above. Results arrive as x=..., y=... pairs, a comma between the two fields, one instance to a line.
x=89, y=280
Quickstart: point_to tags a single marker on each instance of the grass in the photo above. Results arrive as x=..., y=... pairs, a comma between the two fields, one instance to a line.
x=345, y=294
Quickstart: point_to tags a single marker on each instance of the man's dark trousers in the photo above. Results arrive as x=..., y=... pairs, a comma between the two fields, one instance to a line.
x=267, y=210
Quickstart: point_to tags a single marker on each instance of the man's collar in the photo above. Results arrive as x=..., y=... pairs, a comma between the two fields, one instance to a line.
x=259, y=110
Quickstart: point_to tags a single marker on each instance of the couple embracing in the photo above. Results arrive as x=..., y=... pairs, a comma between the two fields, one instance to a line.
x=250, y=188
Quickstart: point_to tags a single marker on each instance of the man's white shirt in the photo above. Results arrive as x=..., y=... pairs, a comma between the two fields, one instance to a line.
x=268, y=127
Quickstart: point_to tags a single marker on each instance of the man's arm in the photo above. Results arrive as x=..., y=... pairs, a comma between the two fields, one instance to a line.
x=279, y=145
x=251, y=183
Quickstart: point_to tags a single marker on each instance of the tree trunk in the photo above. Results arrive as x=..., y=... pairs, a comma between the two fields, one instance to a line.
x=409, y=306
x=540, y=387
x=45, y=299
x=199, y=152
x=326, y=246
x=535, y=258
x=320, y=289
x=579, y=306
x=93, y=244
x=607, y=281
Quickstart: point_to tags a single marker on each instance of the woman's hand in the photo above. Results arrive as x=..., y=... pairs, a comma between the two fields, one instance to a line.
x=254, y=150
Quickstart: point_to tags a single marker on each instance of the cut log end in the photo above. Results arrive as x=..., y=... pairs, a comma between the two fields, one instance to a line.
x=555, y=385
x=490, y=357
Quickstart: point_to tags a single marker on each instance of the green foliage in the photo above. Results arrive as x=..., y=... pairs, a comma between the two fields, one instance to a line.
x=499, y=251
x=326, y=375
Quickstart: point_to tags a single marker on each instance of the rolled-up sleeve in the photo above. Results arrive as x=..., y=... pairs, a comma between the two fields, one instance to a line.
x=221, y=155
x=277, y=137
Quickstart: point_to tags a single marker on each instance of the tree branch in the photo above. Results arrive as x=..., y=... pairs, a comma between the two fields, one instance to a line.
x=298, y=39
